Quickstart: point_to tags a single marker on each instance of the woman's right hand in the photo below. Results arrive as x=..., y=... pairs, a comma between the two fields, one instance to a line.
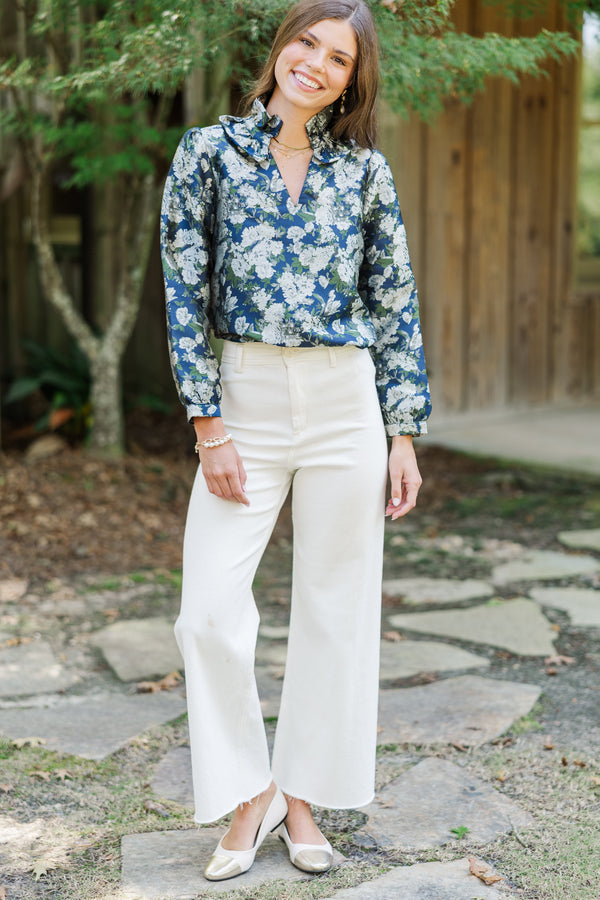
x=222, y=466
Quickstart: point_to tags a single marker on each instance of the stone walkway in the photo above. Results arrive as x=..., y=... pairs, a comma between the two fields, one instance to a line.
x=446, y=639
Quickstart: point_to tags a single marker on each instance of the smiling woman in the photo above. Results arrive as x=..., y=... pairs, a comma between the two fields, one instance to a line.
x=358, y=121
x=281, y=234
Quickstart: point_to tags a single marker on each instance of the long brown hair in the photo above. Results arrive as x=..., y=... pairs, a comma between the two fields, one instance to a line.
x=358, y=122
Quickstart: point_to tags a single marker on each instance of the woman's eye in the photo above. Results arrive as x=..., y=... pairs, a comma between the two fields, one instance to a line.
x=338, y=59
x=306, y=41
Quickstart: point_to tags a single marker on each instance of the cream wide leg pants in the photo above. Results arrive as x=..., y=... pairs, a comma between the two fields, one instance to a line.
x=310, y=418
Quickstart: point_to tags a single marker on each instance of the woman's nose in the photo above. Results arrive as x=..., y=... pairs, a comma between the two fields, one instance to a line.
x=318, y=61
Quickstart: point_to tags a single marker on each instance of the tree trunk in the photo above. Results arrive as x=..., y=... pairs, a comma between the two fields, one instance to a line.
x=103, y=353
x=107, y=437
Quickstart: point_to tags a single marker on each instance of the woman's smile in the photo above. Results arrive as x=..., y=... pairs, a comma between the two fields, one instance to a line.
x=313, y=70
x=307, y=82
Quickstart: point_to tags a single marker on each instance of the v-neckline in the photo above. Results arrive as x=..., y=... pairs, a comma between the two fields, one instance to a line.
x=297, y=204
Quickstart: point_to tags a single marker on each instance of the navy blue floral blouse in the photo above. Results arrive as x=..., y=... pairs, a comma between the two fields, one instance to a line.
x=242, y=260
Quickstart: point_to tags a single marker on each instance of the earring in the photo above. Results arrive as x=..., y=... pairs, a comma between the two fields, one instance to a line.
x=342, y=107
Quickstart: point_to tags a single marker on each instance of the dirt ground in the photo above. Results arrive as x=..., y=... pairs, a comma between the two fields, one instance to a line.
x=72, y=522
x=70, y=514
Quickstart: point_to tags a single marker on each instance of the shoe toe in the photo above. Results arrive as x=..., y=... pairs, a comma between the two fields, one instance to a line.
x=221, y=867
x=314, y=860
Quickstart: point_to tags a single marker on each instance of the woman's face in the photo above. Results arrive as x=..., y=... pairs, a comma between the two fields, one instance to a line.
x=317, y=66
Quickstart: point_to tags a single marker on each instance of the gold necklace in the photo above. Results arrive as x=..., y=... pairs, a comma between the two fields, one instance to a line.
x=292, y=155
x=287, y=146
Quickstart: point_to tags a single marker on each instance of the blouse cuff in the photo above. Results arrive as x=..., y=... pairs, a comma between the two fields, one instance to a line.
x=204, y=409
x=414, y=428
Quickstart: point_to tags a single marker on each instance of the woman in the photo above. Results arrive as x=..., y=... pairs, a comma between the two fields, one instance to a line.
x=281, y=233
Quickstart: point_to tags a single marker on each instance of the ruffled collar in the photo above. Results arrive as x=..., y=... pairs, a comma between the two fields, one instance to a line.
x=252, y=134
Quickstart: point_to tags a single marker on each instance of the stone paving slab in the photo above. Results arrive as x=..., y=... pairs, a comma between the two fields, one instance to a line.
x=269, y=691
x=586, y=539
x=138, y=649
x=437, y=590
x=403, y=659
x=173, y=777
x=582, y=604
x=418, y=809
x=544, y=565
x=515, y=625
x=168, y=865
x=274, y=632
x=271, y=653
x=92, y=727
x=12, y=589
x=427, y=881
x=32, y=669
x=467, y=709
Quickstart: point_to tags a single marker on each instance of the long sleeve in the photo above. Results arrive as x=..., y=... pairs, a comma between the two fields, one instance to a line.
x=187, y=223
x=387, y=287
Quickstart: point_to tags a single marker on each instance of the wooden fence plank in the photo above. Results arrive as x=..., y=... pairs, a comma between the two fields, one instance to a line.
x=533, y=232
x=489, y=262
x=569, y=319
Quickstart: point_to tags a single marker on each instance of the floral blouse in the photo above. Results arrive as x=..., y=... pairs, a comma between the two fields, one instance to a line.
x=242, y=260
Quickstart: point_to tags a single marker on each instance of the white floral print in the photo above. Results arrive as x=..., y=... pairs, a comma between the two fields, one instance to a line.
x=242, y=260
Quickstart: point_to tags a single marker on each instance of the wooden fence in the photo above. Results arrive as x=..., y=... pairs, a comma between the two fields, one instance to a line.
x=488, y=194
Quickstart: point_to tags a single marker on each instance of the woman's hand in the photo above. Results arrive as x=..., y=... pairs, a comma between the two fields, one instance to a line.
x=404, y=475
x=222, y=466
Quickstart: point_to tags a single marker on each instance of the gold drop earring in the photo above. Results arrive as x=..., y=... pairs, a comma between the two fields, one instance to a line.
x=342, y=107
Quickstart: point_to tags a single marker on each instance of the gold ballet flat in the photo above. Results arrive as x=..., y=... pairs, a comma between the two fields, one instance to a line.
x=229, y=863
x=307, y=857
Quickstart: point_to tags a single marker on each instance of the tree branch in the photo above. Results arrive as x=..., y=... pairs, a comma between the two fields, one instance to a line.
x=52, y=280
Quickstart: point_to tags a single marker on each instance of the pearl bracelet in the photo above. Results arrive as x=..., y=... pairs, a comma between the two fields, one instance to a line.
x=213, y=442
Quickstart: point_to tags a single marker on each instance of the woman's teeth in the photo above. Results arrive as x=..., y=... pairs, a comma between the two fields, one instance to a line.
x=307, y=81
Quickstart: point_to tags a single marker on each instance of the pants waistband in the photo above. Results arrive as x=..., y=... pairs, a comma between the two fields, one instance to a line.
x=243, y=353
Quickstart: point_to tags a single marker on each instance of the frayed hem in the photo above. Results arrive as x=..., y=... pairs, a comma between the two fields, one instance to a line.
x=305, y=799
x=241, y=803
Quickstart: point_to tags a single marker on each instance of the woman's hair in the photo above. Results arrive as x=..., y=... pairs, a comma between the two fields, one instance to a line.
x=358, y=121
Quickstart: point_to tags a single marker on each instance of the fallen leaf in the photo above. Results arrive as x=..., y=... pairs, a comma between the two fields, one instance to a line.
x=595, y=780
x=482, y=871
x=559, y=660
x=551, y=671
x=579, y=763
x=555, y=628
x=3, y=894
x=564, y=761
x=58, y=417
x=42, y=867
x=29, y=742
x=40, y=773
x=62, y=774
x=111, y=614
x=11, y=642
x=501, y=776
x=167, y=683
x=386, y=804
x=157, y=808
x=392, y=636
x=460, y=747
x=548, y=745
x=5, y=789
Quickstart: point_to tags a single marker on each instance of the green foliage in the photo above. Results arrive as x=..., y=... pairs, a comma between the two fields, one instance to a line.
x=588, y=218
x=427, y=61
x=64, y=381
x=103, y=74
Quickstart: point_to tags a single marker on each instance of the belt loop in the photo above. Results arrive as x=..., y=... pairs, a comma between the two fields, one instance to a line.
x=332, y=358
x=239, y=356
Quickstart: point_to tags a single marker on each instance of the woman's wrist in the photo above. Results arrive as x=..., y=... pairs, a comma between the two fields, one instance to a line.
x=207, y=427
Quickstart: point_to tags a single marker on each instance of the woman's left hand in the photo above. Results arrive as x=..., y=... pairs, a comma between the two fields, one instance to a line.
x=404, y=475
